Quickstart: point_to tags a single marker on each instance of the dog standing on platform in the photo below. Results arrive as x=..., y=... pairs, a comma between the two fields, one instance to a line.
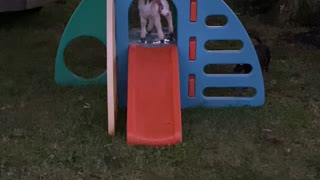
x=150, y=12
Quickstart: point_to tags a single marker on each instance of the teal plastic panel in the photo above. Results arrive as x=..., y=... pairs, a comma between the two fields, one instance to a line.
x=88, y=20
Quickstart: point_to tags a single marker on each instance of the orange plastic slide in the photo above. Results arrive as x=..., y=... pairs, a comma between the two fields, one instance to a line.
x=154, y=110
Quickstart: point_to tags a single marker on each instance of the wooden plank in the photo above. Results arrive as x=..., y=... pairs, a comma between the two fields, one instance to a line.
x=111, y=68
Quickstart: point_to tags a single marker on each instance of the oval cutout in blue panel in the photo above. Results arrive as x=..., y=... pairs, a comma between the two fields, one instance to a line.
x=222, y=45
x=216, y=20
x=229, y=92
x=227, y=69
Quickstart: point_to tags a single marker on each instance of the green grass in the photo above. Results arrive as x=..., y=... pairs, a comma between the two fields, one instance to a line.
x=52, y=132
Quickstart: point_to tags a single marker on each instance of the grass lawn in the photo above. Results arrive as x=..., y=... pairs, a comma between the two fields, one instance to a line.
x=52, y=132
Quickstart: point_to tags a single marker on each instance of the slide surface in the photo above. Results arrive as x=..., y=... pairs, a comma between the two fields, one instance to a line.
x=154, y=110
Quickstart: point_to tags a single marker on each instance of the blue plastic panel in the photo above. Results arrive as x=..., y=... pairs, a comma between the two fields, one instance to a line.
x=233, y=30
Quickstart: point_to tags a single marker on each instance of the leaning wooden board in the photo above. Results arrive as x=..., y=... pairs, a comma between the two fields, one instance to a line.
x=111, y=68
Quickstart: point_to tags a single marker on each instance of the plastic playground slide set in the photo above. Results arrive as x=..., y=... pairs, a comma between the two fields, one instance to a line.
x=154, y=80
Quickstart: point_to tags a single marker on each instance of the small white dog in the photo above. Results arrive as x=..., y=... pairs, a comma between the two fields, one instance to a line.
x=151, y=10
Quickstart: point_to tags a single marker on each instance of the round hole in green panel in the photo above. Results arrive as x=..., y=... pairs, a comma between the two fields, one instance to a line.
x=86, y=57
